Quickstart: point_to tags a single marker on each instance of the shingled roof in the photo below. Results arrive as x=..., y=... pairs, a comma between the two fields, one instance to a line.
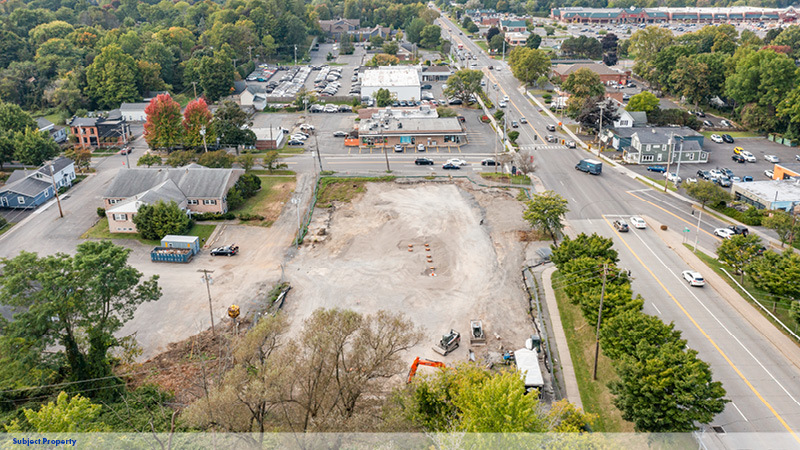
x=193, y=181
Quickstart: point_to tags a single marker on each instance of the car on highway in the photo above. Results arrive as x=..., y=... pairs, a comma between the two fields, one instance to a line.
x=621, y=226
x=551, y=127
x=797, y=157
x=227, y=250
x=295, y=143
x=738, y=158
x=524, y=120
x=125, y=151
x=456, y=161
x=514, y=124
x=502, y=104
x=450, y=166
x=694, y=278
x=339, y=134
x=716, y=138
x=423, y=162
x=489, y=162
x=724, y=233
x=505, y=98
x=659, y=169
x=738, y=229
x=550, y=138
x=749, y=157
x=638, y=223
x=571, y=144
x=772, y=158
x=769, y=173
x=727, y=138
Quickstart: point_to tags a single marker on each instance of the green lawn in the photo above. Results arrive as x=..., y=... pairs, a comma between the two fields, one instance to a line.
x=6, y=227
x=734, y=134
x=100, y=231
x=671, y=186
x=777, y=307
x=595, y=395
x=268, y=202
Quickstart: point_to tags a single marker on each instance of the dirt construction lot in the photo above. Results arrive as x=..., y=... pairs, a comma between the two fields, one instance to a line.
x=356, y=256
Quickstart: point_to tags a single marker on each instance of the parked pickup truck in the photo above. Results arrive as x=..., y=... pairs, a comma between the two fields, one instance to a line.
x=591, y=166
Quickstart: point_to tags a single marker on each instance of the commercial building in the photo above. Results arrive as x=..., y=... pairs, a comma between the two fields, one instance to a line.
x=772, y=194
x=515, y=39
x=436, y=73
x=134, y=112
x=100, y=132
x=388, y=131
x=607, y=75
x=269, y=138
x=736, y=14
x=516, y=26
x=786, y=171
x=402, y=82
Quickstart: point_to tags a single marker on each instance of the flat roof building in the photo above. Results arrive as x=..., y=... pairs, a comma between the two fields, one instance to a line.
x=410, y=132
x=772, y=194
x=735, y=14
x=402, y=82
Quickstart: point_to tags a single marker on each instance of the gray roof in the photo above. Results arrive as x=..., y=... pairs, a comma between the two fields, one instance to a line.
x=191, y=181
x=133, y=106
x=43, y=123
x=167, y=191
x=661, y=135
x=639, y=117
x=17, y=175
x=239, y=87
x=256, y=89
x=773, y=190
x=413, y=126
x=84, y=122
x=29, y=186
x=58, y=165
x=691, y=146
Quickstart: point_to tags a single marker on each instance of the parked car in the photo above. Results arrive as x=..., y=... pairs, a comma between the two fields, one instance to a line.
x=738, y=229
x=295, y=143
x=747, y=178
x=621, y=226
x=488, y=162
x=690, y=180
x=502, y=104
x=659, y=169
x=673, y=177
x=724, y=233
x=738, y=150
x=772, y=158
x=738, y=158
x=339, y=134
x=638, y=222
x=716, y=138
x=769, y=173
x=727, y=138
x=704, y=174
x=298, y=137
x=700, y=113
x=306, y=127
x=125, y=151
x=227, y=250
x=727, y=172
x=420, y=147
x=723, y=181
x=455, y=101
x=725, y=123
x=423, y=162
x=694, y=278
x=749, y=157
x=450, y=166
x=398, y=148
x=707, y=124
x=426, y=86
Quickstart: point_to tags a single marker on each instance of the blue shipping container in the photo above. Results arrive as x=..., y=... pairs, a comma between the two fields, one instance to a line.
x=178, y=255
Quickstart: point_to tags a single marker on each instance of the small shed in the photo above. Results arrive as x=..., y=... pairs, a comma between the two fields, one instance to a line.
x=175, y=241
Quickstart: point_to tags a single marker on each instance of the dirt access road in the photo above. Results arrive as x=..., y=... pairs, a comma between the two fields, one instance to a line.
x=356, y=257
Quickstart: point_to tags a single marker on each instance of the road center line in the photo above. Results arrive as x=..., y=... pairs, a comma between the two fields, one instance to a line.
x=671, y=213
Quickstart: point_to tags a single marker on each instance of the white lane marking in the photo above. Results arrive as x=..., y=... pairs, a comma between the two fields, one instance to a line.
x=740, y=411
x=735, y=338
x=657, y=310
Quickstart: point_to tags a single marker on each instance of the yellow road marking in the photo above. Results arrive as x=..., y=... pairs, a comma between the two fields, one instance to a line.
x=494, y=80
x=673, y=215
x=703, y=332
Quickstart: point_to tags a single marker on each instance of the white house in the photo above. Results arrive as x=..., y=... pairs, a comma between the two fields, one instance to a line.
x=133, y=112
x=629, y=119
x=255, y=96
x=402, y=82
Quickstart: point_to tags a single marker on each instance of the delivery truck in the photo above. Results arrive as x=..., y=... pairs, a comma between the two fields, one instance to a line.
x=591, y=166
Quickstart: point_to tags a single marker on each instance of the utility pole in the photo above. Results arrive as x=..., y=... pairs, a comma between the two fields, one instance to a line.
x=295, y=54
x=697, y=233
x=316, y=144
x=127, y=150
x=680, y=156
x=504, y=50
x=250, y=50
x=669, y=159
x=599, y=319
x=194, y=85
x=386, y=155
x=600, y=131
x=55, y=189
x=208, y=281
x=203, y=133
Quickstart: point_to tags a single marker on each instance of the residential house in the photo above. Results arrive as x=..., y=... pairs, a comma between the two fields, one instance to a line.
x=339, y=27
x=57, y=132
x=255, y=96
x=196, y=189
x=134, y=112
x=517, y=26
x=664, y=144
x=629, y=119
x=436, y=73
x=100, y=132
x=26, y=189
x=516, y=39
x=607, y=75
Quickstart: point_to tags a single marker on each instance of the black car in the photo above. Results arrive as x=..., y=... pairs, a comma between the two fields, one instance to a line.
x=621, y=226
x=738, y=229
x=707, y=124
x=423, y=162
x=703, y=174
x=738, y=158
x=295, y=143
x=455, y=101
x=700, y=114
x=451, y=166
x=489, y=162
x=228, y=250
x=727, y=138
x=426, y=86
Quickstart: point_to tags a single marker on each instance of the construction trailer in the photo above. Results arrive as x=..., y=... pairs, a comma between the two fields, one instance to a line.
x=527, y=361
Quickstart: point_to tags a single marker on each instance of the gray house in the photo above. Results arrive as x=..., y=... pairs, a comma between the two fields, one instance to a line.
x=58, y=133
x=654, y=146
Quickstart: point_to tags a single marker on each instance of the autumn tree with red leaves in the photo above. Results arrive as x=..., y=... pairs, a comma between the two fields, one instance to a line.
x=197, y=118
x=163, y=127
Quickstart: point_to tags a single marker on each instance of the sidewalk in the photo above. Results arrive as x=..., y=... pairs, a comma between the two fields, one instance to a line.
x=564, y=358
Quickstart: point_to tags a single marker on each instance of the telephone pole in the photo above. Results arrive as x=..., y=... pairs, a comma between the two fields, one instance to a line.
x=599, y=319
x=208, y=280
x=194, y=85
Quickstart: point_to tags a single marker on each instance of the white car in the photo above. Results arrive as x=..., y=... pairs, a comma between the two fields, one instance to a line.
x=694, y=278
x=716, y=138
x=772, y=158
x=457, y=162
x=724, y=233
x=638, y=222
x=505, y=98
x=420, y=147
x=769, y=173
x=299, y=137
x=398, y=148
x=691, y=180
x=672, y=176
x=307, y=126
x=749, y=157
x=502, y=104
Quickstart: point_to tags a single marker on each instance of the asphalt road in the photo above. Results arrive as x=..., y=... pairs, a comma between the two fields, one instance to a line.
x=759, y=380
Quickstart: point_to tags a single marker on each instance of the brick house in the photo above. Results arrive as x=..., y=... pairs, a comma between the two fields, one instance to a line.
x=100, y=132
x=196, y=189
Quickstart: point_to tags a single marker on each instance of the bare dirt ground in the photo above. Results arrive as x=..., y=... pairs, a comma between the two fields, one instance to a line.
x=356, y=256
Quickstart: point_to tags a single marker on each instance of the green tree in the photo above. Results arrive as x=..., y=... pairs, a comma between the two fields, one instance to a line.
x=155, y=221
x=794, y=312
x=430, y=36
x=739, y=251
x=217, y=159
x=383, y=59
x=58, y=298
x=247, y=161
x=444, y=111
x=196, y=123
x=111, y=79
x=591, y=111
x=13, y=120
x=67, y=415
x=783, y=224
x=534, y=41
x=666, y=389
x=163, y=126
x=463, y=84
x=180, y=158
x=231, y=124
x=546, y=213
x=148, y=159
x=583, y=83
x=272, y=161
x=643, y=101
x=248, y=184
x=34, y=147
x=645, y=45
x=414, y=30
x=492, y=32
x=665, y=63
x=582, y=47
x=215, y=75
x=690, y=80
x=777, y=273
x=527, y=64
x=763, y=77
x=789, y=36
x=499, y=405
x=622, y=334
x=383, y=97
x=584, y=246
x=497, y=43
x=390, y=48
x=707, y=191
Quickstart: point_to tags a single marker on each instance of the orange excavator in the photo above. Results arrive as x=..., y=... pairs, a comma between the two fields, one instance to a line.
x=422, y=362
